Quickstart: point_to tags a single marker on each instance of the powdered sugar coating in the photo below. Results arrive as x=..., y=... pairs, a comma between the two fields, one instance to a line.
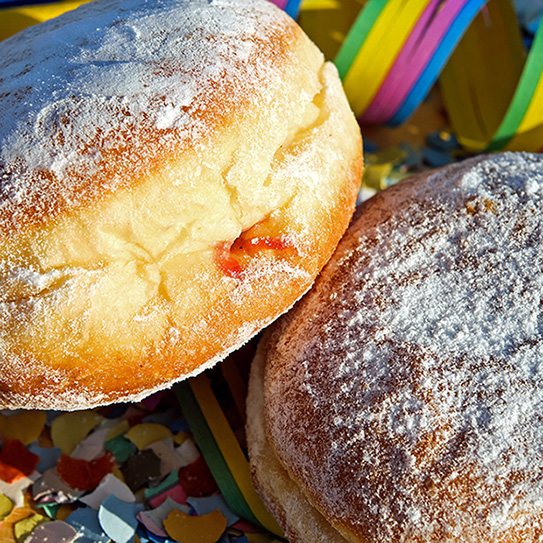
x=86, y=105
x=405, y=391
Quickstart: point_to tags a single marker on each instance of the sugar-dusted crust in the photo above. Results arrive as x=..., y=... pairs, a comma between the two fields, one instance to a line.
x=281, y=494
x=404, y=393
x=173, y=177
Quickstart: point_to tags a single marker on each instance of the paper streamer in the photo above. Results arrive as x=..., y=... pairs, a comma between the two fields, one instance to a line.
x=497, y=105
x=395, y=52
x=222, y=451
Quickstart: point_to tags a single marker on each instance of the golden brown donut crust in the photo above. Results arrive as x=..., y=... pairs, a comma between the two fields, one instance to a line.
x=174, y=182
x=403, y=393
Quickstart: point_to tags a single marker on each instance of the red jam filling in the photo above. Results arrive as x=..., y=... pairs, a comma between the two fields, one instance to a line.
x=230, y=266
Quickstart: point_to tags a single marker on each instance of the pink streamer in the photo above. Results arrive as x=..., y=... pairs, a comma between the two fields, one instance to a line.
x=413, y=58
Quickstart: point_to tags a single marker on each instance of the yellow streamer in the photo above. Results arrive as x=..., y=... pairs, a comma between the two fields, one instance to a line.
x=529, y=136
x=231, y=450
x=14, y=20
x=379, y=51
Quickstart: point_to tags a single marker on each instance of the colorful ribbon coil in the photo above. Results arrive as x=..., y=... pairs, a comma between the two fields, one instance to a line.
x=493, y=90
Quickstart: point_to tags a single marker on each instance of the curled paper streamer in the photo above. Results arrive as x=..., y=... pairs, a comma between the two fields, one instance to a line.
x=394, y=52
x=222, y=451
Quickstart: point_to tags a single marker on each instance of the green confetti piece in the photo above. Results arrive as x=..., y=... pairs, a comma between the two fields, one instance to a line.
x=50, y=509
x=121, y=448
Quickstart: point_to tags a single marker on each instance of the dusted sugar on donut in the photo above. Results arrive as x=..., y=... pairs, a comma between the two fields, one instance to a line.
x=403, y=396
x=173, y=176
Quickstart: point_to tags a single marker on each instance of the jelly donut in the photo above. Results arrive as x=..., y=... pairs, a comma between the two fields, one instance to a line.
x=174, y=175
x=401, y=400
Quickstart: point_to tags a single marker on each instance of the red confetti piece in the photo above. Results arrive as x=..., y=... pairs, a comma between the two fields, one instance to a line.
x=16, y=461
x=196, y=479
x=84, y=474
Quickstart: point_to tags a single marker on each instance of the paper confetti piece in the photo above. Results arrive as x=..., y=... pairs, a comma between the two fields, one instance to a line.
x=109, y=486
x=164, y=485
x=83, y=474
x=188, y=451
x=25, y=426
x=16, y=491
x=85, y=521
x=169, y=460
x=117, y=430
x=187, y=529
x=142, y=435
x=92, y=446
x=140, y=469
x=16, y=461
x=56, y=531
x=203, y=506
x=23, y=528
x=176, y=493
x=68, y=429
x=49, y=456
x=51, y=488
x=121, y=448
x=196, y=479
x=153, y=519
x=118, y=519
x=6, y=507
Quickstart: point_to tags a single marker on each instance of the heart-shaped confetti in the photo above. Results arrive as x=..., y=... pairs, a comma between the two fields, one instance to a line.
x=184, y=528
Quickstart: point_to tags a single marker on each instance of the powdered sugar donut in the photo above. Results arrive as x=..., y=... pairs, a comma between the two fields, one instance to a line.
x=401, y=400
x=174, y=175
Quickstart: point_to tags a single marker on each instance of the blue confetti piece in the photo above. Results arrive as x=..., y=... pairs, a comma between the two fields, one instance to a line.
x=85, y=521
x=179, y=425
x=369, y=146
x=435, y=158
x=118, y=518
x=204, y=506
x=49, y=456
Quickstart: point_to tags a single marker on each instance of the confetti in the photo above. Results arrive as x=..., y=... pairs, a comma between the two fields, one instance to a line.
x=51, y=488
x=140, y=469
x=203, y=506
x=68, y=429
x=86, y=522
x=25, y=426
x=49, y=456
x=184, y=528
x=109, y=486
x=92, y=446
x=142, y=435
x=196, y=479
x=23, y=528
x=121, y=447
x=118, y=519
x=16, y=491
x=6, y=507
x=83, y=474
x=153, y=519
x=16, y=461
x=56, y=531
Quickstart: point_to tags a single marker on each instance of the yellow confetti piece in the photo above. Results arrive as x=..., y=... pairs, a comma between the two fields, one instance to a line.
x=181, y=437
x=64, y=511
x=6, y=507
x=25, y=426
x=23, y=528
x=142, y=435
x=184, y=528
x=118, y=430
x=68, y=429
